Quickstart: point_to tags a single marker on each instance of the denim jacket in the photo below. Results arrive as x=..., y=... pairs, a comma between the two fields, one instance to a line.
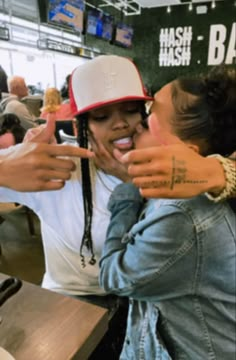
x=176, y=261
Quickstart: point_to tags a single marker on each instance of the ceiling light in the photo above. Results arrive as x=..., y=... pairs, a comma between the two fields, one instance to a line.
x=190, y=7
x=213, y=4
x=127, y=7
x=202, y=9
x=168, y=9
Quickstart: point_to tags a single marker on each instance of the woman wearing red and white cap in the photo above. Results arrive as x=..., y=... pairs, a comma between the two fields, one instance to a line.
x=108, y=100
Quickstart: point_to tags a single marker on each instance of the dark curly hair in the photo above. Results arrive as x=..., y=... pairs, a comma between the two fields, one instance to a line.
x=11, y=123
x=205, y=109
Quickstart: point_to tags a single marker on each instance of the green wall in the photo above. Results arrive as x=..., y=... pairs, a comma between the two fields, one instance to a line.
x=145, y=51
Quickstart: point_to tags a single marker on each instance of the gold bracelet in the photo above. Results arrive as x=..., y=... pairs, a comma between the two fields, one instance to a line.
x=230, y=175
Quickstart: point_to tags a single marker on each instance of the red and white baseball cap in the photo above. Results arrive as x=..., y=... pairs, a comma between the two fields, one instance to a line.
x=105, y=80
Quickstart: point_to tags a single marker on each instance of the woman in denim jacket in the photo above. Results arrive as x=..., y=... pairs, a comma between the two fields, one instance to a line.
x=175, y=259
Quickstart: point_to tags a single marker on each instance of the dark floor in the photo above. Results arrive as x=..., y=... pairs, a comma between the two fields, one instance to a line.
x=21, y=253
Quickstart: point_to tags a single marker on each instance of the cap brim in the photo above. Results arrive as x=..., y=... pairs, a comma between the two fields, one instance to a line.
x=113, y=101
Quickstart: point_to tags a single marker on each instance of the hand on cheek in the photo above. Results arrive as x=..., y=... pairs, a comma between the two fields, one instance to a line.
x=117, y=155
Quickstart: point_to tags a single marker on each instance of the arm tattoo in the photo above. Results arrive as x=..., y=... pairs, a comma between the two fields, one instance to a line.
x=178, y=177
x=173, y=173
x=179, y=172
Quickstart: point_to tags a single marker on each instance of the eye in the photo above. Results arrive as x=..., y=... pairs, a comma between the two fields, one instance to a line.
x=99, y=118
x=133, y=110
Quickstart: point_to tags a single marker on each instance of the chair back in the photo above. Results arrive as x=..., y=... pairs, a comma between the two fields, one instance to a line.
x=33, y=103
x=70, y=139
x=66, y=126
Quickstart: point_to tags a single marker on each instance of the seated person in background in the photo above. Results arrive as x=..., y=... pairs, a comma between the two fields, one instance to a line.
x=12, y=104
x=6, y=140
x=10, y=123
x=176, y=259
x=53, y=106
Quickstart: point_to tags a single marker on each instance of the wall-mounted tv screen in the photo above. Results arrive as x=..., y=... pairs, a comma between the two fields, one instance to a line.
x=124, y=35
x=67, y=13
x=100, y=24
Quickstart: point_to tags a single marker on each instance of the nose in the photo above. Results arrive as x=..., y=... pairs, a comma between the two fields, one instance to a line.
x=119, y=121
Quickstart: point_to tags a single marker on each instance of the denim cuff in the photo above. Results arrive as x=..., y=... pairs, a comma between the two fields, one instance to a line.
x=125, y=191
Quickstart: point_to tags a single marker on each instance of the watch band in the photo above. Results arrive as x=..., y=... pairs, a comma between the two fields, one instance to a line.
x=229, y=191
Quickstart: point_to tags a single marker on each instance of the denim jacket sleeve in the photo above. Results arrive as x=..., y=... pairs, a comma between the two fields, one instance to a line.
x=124, y=204
x=146, y=257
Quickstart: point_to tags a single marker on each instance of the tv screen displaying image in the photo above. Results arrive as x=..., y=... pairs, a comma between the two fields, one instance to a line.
x=67, y=13
x=124, y=35
x=100, y=24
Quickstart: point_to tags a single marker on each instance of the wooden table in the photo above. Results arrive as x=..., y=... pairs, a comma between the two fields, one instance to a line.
x=39, y=324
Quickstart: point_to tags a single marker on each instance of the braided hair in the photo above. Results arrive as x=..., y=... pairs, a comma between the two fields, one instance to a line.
x=82, y=125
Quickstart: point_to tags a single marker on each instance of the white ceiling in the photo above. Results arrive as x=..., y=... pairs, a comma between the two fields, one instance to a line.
x=28, y=8
x=158, y=3
x=133, y=7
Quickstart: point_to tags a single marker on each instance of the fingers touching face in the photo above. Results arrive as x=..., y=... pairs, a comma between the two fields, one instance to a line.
x=117, y=126
x=113, y=125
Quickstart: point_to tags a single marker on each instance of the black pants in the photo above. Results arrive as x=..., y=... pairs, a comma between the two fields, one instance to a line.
x=111, y=344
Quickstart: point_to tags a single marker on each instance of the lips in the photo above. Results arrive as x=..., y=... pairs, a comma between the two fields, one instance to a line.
x=125, y=143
